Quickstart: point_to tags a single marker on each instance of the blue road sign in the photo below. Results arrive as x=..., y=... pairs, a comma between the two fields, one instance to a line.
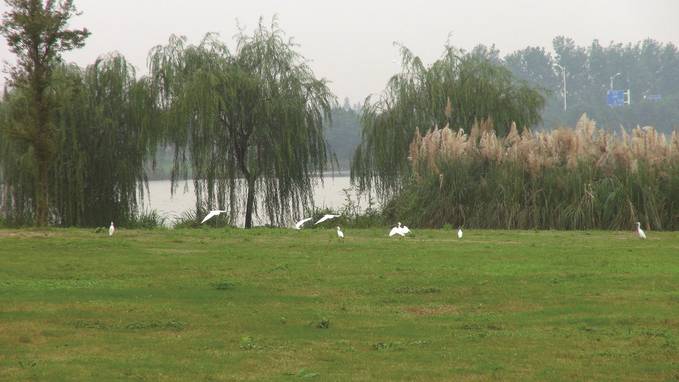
x=615, y=98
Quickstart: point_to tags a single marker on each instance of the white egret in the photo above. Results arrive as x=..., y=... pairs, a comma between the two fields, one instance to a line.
x=300, y=223
x=111, y=229
x=326, y=217
x=396, y=231
x=212, y=214
x=640, y=231
x=340, y=234
x=399, y=230
x=459, y=233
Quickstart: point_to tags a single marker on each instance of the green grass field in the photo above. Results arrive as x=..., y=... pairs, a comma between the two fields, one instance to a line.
x=212, y=305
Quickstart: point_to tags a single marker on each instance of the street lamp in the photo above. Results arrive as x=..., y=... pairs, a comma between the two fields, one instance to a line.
x=563, y=71
x=614, y=77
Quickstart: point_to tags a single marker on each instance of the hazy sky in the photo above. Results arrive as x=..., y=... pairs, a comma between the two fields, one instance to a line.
x=350, y=42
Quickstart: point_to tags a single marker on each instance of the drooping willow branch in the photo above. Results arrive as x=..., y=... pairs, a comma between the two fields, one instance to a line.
x=249, y=124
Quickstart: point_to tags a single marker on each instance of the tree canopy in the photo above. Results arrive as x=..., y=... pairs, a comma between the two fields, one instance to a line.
x=648, y=68
x=37, y=33
x=456, y=90
x=249, y=123
x=103, y=122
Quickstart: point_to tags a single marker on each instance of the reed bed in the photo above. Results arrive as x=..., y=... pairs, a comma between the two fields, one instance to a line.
x=567, y=178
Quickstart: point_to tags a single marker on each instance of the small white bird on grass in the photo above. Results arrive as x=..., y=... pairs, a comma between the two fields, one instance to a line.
x=459, y=233
x=640, y=232
x=212, y=214
x=326, y=217
x=400, y=230
x=396, y=231
x=300, y=223
x=340, y=234
x=111, y=229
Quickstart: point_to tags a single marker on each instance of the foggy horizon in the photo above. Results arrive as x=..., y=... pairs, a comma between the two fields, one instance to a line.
x=350, y=43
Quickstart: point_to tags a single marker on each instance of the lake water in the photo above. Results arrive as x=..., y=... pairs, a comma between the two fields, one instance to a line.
x=329, y=194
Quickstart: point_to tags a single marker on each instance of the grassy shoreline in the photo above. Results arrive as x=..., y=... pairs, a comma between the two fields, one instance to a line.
x=273, y=304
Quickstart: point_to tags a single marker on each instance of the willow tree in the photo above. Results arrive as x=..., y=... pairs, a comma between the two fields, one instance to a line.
x=103, y=126
x=249, y=124
x=36, y=31
x=17, y=190
x=456, y=90
x=106, y=134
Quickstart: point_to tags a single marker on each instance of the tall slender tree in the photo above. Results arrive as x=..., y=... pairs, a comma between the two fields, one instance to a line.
x=37, y=32
x=256, y=115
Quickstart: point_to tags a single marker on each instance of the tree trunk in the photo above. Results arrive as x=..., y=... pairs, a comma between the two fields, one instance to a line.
x=41, y=143
x=42, y=204
x=250, y=204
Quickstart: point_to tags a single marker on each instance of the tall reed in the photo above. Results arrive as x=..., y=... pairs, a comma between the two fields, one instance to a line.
x=569, y=178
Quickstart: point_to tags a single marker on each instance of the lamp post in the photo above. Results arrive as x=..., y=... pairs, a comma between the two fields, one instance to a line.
x=614, y=77
x=563, y=71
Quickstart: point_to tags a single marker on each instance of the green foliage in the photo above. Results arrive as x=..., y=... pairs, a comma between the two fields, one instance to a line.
x=456, y=90
x=103, y=127
x=146, y=220
x=253, y=119
x=324, y=323
x=37, y=34
x=193, y=219
x=188, y=219
x=352, y=213
x=646, y=67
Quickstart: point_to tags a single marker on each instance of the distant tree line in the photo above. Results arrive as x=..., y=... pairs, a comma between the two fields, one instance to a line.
x=649, y=69
x=343, y=132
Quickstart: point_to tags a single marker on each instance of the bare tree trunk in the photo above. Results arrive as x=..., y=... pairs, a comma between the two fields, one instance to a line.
x=42, y=203
x=41, y=145
x=250, y=204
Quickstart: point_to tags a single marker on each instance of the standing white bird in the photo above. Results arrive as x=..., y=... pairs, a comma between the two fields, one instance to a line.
x=111, y=229
x=640, y=231
x=404, y=229
x=340, y=234
x=326, y=217
x=459, y=233
x=212, y=214
x=300, y=223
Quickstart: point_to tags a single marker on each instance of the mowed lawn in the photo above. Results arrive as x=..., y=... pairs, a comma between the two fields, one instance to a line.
x=283, y=305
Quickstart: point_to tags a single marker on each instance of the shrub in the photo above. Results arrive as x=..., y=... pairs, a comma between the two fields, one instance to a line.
x=146, y=220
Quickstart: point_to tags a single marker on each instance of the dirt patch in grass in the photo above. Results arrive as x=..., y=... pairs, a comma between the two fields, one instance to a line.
x=28, y=234
x=428, y=311
x=517, y=307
